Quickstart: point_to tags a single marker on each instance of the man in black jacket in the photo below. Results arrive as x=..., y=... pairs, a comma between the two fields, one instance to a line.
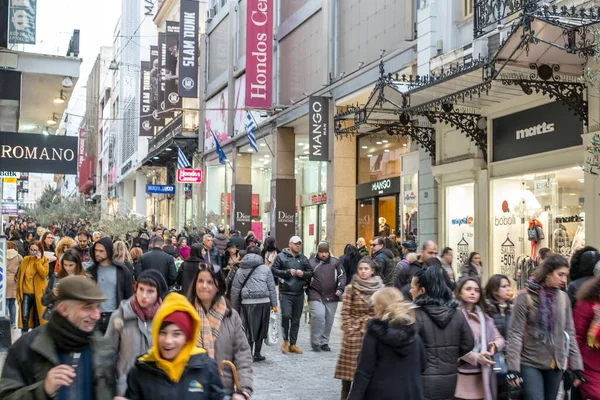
x=157, y=259
x=236, y=239
x=294, y=272
x=114, y=279
x=382, y=255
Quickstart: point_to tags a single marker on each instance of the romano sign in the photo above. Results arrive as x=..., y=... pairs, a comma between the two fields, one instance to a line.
x=38, y=153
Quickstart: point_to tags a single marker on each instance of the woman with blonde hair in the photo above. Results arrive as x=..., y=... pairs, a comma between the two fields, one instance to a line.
x=391, y=344
x=121, y=254
x=64, y=245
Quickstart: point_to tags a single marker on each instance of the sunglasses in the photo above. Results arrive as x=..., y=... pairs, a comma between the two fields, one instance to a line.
x=374, y=244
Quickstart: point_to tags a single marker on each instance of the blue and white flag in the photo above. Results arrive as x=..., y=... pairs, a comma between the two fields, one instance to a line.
x=220, y=152
x=251, y=127
x=182, y=161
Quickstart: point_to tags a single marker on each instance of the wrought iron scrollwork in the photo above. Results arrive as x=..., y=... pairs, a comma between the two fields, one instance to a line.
x=423, y=135
x=491, y=12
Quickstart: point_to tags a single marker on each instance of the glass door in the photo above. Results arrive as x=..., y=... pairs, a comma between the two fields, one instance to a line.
x=386, y=223
x=310, y=233
x=366, y=219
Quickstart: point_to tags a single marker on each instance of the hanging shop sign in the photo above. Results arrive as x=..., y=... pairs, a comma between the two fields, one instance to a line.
x=38, y=153
x=241, y=215
x=189, y=175
x=319, y=198
x=378, y=188
x=22, y=21
x=507, y=256
x=162, y=62
x=259, y=53
x=318, y=128
x=283, y=209
x=537, y=130
x=157, y=119
x=188, y=52
x=542, y=187
x=160, y=189
x=145, y=100
x=172, y=99
x=10, y=208
x=462, y=251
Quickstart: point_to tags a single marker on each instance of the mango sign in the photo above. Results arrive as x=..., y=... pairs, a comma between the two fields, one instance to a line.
x=189, y=175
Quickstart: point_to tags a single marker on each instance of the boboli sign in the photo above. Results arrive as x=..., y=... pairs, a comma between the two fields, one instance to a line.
x=27, y=152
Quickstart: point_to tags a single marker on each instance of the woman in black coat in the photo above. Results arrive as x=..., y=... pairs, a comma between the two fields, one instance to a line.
x=391, y=344
x=187, y=270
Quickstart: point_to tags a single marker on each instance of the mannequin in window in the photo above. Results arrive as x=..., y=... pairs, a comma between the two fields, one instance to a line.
x=384, y=228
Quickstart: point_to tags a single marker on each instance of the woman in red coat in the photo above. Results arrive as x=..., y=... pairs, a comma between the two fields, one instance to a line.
x=587, y=327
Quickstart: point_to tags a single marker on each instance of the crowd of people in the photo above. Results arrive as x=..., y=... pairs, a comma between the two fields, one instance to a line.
x=157, y=315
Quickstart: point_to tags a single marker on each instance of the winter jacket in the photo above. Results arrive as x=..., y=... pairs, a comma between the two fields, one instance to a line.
x=381, y=257
x=84, y=254
x=199, y=379
x=31, y=357
x=260, y=287
x=406, y=271
x=12, y=267
x=171, y=250
x=185, y=275
x=386, y=349
x=220, y=242
x=501, y=322
x=131, y=338
x=363, y=251
x=328, y=277
x=524, y=346
x=159, y=260
x=447, y=337
x=470, y=271
x=48, y=298
x=213, y=257
x=574, y=287
x=19, y=243
x=284, y=262
x=232, y=345
x=39, y=286
x=582, y=317
x=124, y=275
x=350, y=267
x=238, y=241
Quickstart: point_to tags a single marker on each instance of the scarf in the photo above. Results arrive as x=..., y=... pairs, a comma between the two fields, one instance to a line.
x=593, y=334
x=210, y=325
x=546, y=314
x=367, y=287
x=145, y=314
x=67, y=337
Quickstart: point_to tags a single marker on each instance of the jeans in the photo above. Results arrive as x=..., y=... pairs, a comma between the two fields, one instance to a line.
x=29, y=307
x=292, y=306
x=12, y=310
x=540, y=384
x=322, y=315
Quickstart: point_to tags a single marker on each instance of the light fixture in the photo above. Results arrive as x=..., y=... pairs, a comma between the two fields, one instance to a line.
x=571, y=194
x=262, y=144
x=307, y=152
x=304, y=94
x=306, y=147
x=364, y=147
x=381, y=52
x=361, y=64
x=45, y=131
x=581, y=180
x=369, y=155
x=384, y=141
x=576, y=168
x=405, y=145
x=114, y=66
x=342, y=75
x=67, y=82
x=267, y=156
x=300, y=144
x=296, y=159
x=250, y=150
x=52, y=121
x=169, y=149
x=27, y=127
x=378, y=143
x=529, y=177
x=292, y=102
x=60, y=99
x=386, y=151
x=155, y=157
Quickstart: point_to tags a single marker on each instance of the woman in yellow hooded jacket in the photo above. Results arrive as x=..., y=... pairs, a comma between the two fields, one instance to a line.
x=174, y=368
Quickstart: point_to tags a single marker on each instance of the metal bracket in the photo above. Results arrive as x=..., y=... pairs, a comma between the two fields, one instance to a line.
x=423, y=135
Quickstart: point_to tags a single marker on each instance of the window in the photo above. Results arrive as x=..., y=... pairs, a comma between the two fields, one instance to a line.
x=379, y=158
x=467, y=8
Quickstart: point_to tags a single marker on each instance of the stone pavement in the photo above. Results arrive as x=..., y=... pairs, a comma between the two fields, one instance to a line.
x=299, y=376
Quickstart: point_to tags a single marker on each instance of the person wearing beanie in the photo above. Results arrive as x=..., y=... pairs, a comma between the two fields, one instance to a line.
x=325, y=291
x=130, y=326
x=65, y=358
x=114, y=279
x=174, y=368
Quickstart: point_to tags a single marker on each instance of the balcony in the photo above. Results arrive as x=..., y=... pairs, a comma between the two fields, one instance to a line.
x=489, y=13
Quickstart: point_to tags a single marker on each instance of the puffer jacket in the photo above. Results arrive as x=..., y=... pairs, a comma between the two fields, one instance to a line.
x=130, y=337
x=220, y=242
x=284, y=262
x=12, y=266
x=328, y=277
x=381, y=258
x=260, y=287
x=447, y=337
x=501, y=317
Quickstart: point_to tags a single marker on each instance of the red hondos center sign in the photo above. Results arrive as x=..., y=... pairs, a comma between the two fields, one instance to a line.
x=189, y=175
x=259, y=53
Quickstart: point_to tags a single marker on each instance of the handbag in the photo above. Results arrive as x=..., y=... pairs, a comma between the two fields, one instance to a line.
x=273, y=333
x=500, y=367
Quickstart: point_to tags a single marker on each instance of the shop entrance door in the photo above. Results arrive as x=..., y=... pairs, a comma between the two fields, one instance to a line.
x=314, y=227
x=387, y=215
x=366, y=219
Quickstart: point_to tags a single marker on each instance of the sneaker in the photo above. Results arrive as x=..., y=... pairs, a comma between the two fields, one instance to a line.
x=14, y=326
x=285, y=347
x=259, y=358
x=316, y=348
x=325, y=347
x=295, y=349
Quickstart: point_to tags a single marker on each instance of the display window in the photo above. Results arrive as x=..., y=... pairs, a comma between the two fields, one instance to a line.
x=534, y=211
x=410, y=207
x=366, y=218
x=218, y=189
x=380, y=158
x=460, y=222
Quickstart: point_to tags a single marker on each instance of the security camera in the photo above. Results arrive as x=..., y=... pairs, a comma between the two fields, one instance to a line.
x=67, y=82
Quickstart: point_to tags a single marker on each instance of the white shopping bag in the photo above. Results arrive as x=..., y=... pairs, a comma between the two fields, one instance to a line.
x=273, y=336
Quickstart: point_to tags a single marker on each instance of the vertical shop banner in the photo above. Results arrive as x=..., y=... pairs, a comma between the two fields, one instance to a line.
x=172, y=99
x=162, y=87
x=283, y=210
x=318, y=128
x=157, y=119
x=22, y=21
x=4, y=23
x=241, y=211
x=188, y=51
x=259, y=53
x=146, y=115
x=3, y=280
x=82, y=141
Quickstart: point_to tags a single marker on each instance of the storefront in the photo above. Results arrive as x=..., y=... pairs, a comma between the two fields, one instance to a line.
x=378, y=208
x=218, y=193
x=537, y=195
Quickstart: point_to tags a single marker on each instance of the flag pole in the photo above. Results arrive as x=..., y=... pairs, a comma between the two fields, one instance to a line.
x=226, y=159
x=258, y=128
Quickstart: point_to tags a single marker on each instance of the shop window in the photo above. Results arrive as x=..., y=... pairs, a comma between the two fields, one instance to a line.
x=410, y=207
x=387, y=215
x=380, y=158
x=218, y=192
x=366, y=217
x=467, y=8
x=460, y=221
x=534, y=211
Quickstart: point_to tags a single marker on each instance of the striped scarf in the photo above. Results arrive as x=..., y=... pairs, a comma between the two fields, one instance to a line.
x=210, y=325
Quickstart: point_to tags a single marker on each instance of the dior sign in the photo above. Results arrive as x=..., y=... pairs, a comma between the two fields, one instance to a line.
x=241, y=208
x=283, y=209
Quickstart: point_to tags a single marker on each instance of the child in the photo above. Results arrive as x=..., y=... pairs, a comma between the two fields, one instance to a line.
x=174, y=368
x=391, y=344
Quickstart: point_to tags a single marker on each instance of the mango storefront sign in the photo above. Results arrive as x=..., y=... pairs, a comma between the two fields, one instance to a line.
x=27, y=152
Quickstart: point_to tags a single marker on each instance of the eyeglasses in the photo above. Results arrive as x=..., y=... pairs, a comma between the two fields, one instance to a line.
x=374, y=244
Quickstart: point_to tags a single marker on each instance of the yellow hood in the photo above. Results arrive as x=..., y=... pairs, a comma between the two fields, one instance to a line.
x=174, y=369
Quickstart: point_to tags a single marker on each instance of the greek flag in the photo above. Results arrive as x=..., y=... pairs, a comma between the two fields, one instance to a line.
x=182, y=161
x=220, y=152
x=251, y=127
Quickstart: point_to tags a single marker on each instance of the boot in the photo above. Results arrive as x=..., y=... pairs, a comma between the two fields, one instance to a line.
x=285, y=347
x=295, y=349
x=346, y=385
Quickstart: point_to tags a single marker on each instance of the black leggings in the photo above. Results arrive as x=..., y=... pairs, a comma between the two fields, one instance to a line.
x=29, y=307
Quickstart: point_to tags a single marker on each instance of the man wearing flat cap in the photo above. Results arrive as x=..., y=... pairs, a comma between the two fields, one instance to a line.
x=63, y=359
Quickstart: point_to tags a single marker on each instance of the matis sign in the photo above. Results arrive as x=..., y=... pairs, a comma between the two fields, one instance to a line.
x=189, y=175
x=259, y=53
